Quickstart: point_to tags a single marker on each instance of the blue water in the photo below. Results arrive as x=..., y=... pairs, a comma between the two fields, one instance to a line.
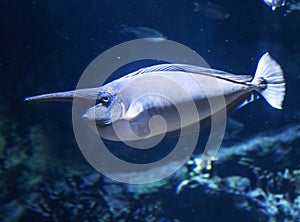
x=46, y=46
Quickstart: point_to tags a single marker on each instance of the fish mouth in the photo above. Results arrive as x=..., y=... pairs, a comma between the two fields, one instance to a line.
x=99, y=123
x=90, y=117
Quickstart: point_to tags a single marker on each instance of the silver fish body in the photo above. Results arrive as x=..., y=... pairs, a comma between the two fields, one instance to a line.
x=123, y=109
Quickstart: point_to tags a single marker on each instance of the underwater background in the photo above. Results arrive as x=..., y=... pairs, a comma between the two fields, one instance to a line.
x=46, y=45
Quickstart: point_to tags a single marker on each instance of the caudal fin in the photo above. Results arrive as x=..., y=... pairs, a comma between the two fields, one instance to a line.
x=269, y=77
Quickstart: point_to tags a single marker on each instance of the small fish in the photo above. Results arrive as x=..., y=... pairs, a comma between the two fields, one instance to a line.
x=274, y=4
x=211, y=11
x=115, y=104
x=293, y=7
x=145, y=32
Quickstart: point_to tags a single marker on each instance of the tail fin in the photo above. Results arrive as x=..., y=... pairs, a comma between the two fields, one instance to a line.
x=270, y=75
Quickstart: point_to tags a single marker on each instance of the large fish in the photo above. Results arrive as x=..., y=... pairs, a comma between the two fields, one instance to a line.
x=161, y=90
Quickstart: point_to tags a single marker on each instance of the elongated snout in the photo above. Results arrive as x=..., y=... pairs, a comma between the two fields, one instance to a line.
x=80, y=95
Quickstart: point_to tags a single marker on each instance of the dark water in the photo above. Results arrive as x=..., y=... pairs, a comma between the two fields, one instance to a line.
x=45, y=47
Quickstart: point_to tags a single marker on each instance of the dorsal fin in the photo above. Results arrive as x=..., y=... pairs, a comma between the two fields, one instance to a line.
x=191, y=69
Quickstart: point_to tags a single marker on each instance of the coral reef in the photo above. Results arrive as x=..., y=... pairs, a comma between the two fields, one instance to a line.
x=241, y=182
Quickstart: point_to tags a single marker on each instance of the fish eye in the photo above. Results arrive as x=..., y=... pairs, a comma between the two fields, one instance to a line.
x=103, y=101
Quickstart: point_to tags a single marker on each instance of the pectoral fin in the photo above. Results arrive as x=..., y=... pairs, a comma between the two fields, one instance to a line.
x=133, y=111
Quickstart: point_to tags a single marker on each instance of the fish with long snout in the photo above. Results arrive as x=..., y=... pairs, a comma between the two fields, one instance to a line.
x=159, y=90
